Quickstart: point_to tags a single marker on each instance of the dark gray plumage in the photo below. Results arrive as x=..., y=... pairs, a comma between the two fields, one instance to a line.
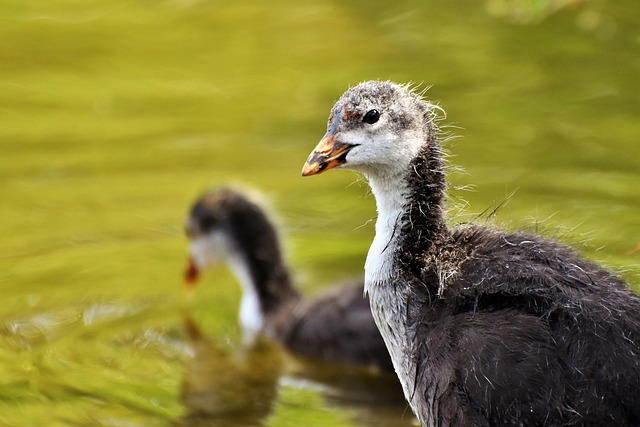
x=337, y=326
x=485, y=327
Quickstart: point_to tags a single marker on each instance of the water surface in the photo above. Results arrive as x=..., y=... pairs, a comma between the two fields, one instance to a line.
x=116, y=115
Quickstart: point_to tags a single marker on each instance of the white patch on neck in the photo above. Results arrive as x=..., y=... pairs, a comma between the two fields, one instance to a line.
x=391, y=203
x=388, y=303
x=251, y=316
x=216, y=247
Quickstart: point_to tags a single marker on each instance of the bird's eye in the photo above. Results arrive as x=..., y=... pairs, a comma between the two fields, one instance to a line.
x=371, y=117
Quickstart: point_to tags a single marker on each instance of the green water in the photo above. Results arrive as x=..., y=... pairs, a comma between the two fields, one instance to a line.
x=115, y=115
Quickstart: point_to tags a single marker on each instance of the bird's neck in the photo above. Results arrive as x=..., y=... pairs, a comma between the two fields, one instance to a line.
x=423, y=224
x=267, y=288
x=410, y=216
x=410, y=224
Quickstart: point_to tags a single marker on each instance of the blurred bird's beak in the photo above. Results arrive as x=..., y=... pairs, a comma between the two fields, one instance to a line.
x=191, y=274
x=328, y=154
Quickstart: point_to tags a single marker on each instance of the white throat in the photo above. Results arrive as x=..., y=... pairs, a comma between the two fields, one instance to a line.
x=389, y=302
x=251, y=316
x=390, y=201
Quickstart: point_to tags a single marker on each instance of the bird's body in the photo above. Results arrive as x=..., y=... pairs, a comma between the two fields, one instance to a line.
x=336, y=326
x=484, y=327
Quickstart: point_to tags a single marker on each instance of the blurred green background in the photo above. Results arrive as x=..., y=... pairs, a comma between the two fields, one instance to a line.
x=115, y=115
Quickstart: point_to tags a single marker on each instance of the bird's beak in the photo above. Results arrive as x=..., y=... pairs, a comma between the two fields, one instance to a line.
x=328, y=154
x=191, y=274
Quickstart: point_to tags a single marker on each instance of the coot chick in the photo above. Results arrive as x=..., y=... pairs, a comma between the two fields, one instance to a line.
x=485, y=327
x=337, y=326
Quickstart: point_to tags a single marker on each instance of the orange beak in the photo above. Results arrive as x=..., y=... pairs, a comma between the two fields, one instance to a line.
x=328, y=154
x=191, y=274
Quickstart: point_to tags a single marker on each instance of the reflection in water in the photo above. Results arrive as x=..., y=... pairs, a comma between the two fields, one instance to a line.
x=373, y=398
x=240, y=390
x=346, y=384
x=234, y=390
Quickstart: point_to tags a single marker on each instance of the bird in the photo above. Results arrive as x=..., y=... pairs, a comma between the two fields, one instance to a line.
x=225, y=225
x=485, y=327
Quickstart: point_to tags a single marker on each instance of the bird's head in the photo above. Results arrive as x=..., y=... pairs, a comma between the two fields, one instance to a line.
x=210, y=230
x=376, y=128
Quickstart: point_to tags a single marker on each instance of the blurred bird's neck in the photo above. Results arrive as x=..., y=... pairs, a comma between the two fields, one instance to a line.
x=266, y=290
